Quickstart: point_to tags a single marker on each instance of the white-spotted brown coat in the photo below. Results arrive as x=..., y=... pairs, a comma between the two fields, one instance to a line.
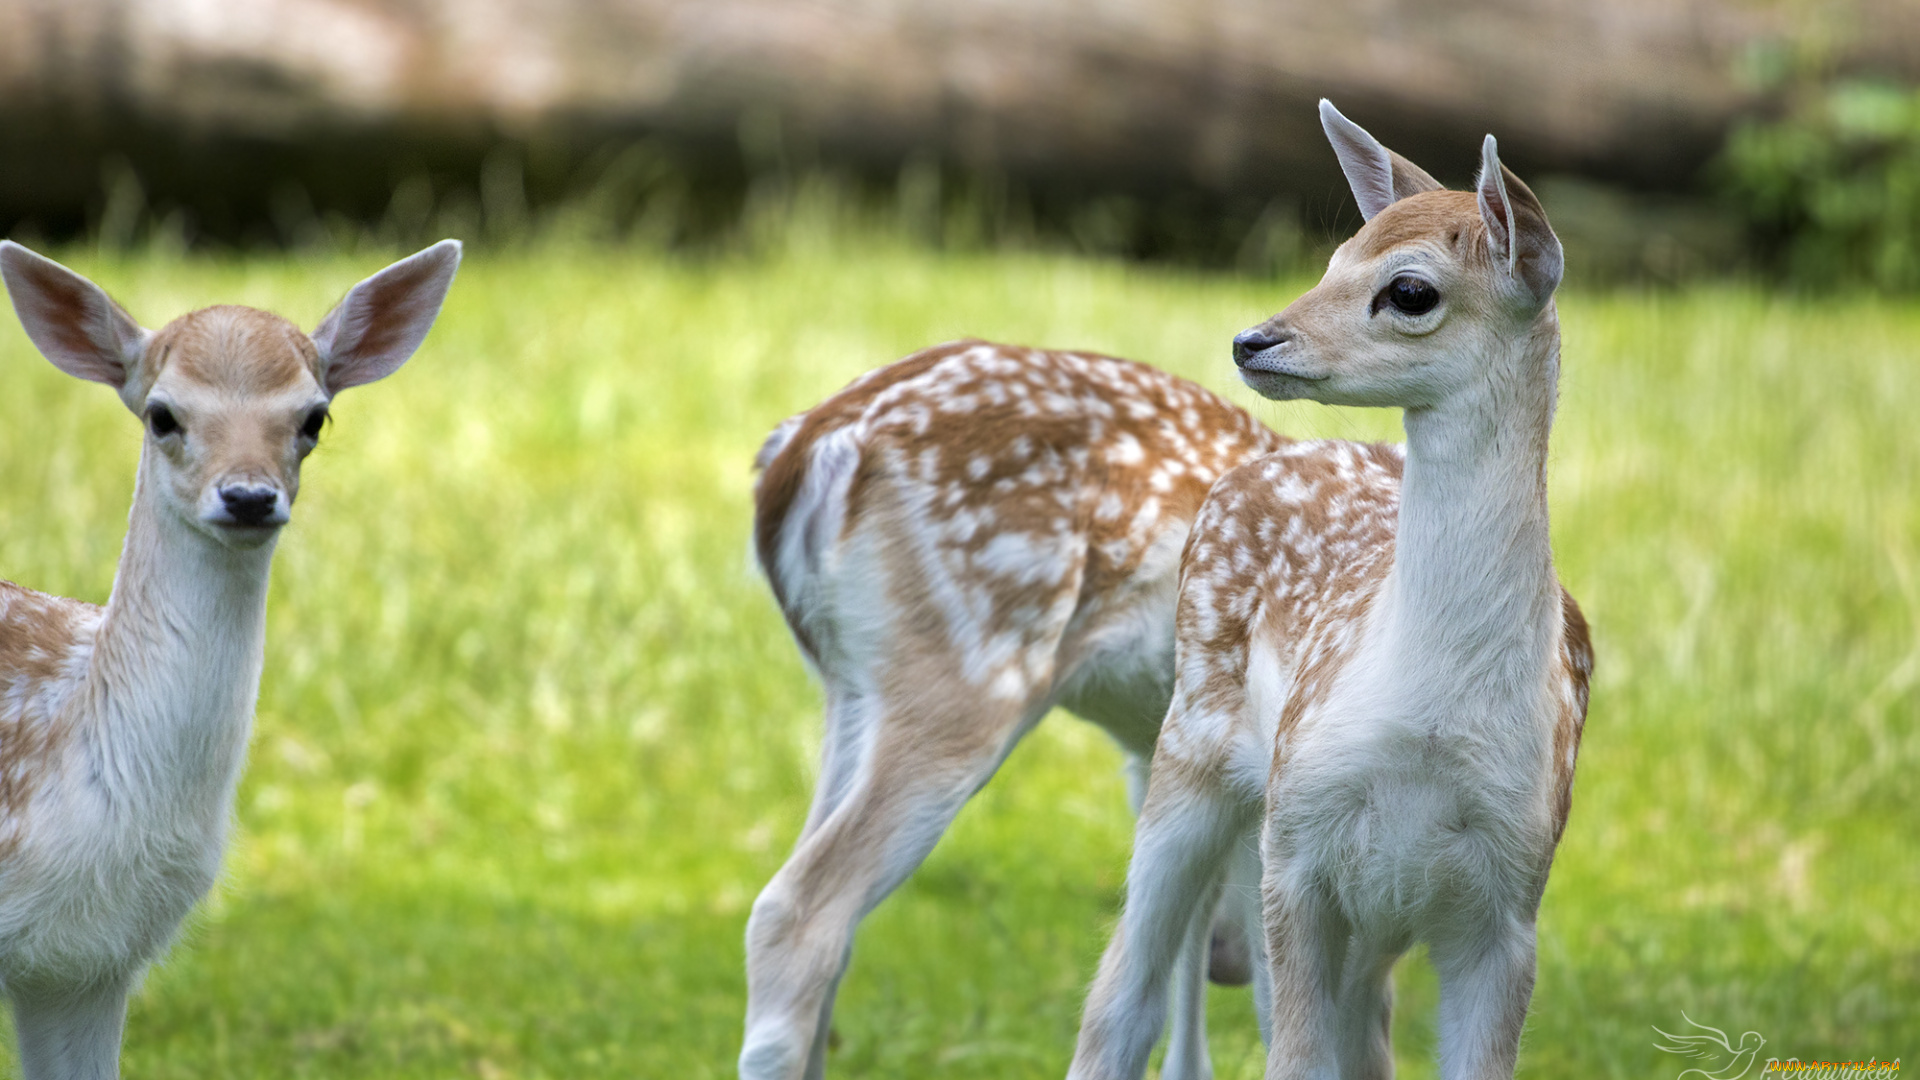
x=1381, y=684
x=960, y=541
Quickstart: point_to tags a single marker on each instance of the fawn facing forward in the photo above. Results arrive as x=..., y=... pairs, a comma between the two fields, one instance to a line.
x=961, y=541
x=1376, y=663
x=123, y=729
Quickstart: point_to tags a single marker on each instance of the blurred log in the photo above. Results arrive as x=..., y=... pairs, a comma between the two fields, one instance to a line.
x=214, y=102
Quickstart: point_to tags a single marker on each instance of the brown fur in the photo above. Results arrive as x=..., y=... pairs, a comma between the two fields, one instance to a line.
x=1291, y=547
x=1299, y=570
x=242, y=350
x=1425, y=217
x=40, y=636
x=782, y=471
x=1574, y=675
x=1044, y=441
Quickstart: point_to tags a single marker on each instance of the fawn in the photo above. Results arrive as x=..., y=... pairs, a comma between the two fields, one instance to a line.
x=1375, y=661
x=123, y=729
x=959, y=542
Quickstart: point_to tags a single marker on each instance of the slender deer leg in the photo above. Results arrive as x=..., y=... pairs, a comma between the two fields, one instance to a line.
x=1185, y=831
x=71, y=1034
x=843, y=743
x=842, y=747
x=800, y=934
x=823, y=1026
x=1187, y=1057
x=1187, y=1029
x=1306, y=946
x=1233, y=954
x=1240, y=902
x=1366, y=1013
x=1486, y=981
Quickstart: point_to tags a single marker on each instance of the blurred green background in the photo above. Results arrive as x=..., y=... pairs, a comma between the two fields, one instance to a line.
x=531, y=734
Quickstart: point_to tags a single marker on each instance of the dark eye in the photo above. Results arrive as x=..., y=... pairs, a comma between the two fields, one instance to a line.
x=160, y=419
x=315, y=419
x=1409, y=295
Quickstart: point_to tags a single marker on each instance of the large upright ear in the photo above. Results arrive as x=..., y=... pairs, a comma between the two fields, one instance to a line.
x=1518, y=236
x=1379, y=177
x=72, y=321
x=385, y=318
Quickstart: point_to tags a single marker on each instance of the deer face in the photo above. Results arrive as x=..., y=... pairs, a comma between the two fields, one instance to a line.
x=233, y=398
x=1411, y=305
x=1397, y=320
x=235, y=405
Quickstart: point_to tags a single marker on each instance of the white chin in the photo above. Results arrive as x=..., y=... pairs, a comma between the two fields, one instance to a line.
x=242, y=537
x=1277, y=386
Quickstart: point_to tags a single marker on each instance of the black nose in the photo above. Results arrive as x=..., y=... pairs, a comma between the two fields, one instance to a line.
x=1249, y=343
x=249, y=504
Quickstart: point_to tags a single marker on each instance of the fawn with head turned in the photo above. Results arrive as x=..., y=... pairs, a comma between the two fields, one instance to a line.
x=123, y=729
x=1377, y=667
x=959, y=542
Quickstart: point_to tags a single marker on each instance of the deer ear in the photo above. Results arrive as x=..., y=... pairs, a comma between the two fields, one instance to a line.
x=72, y=321
x=1379, y=177
x=385, y=318
x=1518, y=236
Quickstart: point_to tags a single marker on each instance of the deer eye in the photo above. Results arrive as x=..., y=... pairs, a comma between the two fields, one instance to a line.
x=310, y=429
x=161, y=420
x=1409, y=295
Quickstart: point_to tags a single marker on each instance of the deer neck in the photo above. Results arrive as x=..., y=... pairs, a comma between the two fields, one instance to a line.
x=1471, y=600
x=176, y=664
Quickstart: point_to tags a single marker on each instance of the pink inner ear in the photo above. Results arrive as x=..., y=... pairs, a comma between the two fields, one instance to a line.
x=1497, y=211
x=385, y=318
x=392, y=304
x=1369, y=171
x=66, y=313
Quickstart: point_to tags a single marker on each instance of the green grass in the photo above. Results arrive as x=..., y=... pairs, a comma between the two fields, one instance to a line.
x=531, y=735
